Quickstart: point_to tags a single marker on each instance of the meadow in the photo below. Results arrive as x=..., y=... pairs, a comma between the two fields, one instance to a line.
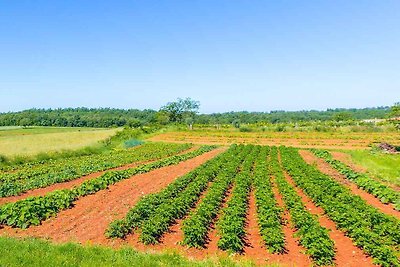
x=19, y=141
x=384, y=166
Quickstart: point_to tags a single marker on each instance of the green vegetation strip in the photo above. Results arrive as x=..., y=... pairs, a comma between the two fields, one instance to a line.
x=38, y=253
x=231, y=226
x=198, y=224
x=313, y=236
x=376, y=233
x=63, y=170
x=176, y=208
x=269, y=215
x=384, y=193
x=33, y=210
x=148, y=205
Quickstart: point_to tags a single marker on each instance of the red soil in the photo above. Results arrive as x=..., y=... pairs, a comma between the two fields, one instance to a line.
x=324, y=167
x=323, y=143
x=257, y=251
x=87, y=221
x=70, y=184
x=347, y=254
x=346, y=159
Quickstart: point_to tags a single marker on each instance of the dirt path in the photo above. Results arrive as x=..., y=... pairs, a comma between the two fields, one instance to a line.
x=325, y=168
x=70, y=184
x=87, y=221
x=347, y=254
x=293, y=249
x=256, y=250
x=171, y=241
x=346, y=159
x=325, y=143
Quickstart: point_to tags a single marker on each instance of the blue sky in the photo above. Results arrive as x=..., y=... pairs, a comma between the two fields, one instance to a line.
x=229, y=55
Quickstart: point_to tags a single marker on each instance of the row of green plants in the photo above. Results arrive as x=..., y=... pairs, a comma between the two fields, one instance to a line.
x=269, y=214
x=231, y=225
x=176, y=208
x=147, y=205
x=33, y=210
x=27, y=178
x=376, y=233
x=200, y=220
x=383, y=192
x=312, y=235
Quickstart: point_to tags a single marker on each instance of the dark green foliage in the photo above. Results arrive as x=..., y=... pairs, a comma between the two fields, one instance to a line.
x=155, y=213
x=31, y=176
x=108, y=117
x=32, y=211
x=312, y=235
x=383, y=192
x=376, y=233
x=231, y=226
x=268, y=213
x=78, y=117
x=196, y=227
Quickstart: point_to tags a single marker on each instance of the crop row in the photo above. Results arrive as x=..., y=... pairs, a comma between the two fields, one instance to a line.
x=147, y=206
x=176, y=208
x=376, y=233
x=33, y=210
x=269, y=215
x=198, y=224
x=384, y=193
x=312, y=235
x=231, y=225
x=27, y=178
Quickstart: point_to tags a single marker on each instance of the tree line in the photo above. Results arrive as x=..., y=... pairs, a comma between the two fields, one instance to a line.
x=182, y=111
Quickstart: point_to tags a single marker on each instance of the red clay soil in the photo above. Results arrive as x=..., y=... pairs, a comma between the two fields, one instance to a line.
x=256, y=250
x=70, y=184
x=171, y=241
x=347, y=254
x=87, y=221
x=301, y=143
x=324, y=167
x=346, y=159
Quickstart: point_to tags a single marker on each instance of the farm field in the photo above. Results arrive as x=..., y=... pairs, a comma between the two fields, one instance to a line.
x=16, y=141
x=267, y=204
x=386, y=167
x=326, y=140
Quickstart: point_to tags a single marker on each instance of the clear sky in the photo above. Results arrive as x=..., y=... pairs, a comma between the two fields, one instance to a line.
x=229, y=55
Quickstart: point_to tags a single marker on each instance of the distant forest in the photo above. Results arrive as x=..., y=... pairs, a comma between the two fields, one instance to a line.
x=108, y=117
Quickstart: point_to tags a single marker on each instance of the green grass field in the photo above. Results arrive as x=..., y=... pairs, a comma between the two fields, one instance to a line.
x=34, y=140
x=34, y=252
x=383, y=166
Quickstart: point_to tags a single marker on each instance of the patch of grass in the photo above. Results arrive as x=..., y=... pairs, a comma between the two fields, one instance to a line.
x=380, y=165
x=32, y=141
x=35, y=252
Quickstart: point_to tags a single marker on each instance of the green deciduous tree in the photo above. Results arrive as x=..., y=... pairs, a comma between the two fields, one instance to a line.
x=395, y=110
x=181, y=110
x=342, y=116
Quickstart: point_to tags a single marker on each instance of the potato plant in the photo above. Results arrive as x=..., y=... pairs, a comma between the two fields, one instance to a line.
x=199, y=222
x=376, y=233
x=176, y=208
x=383, y=192
x=231, y=225
x=312, y=235
x=269, y=215
x=33, y=210
x=28, y=178
x=147, y=206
